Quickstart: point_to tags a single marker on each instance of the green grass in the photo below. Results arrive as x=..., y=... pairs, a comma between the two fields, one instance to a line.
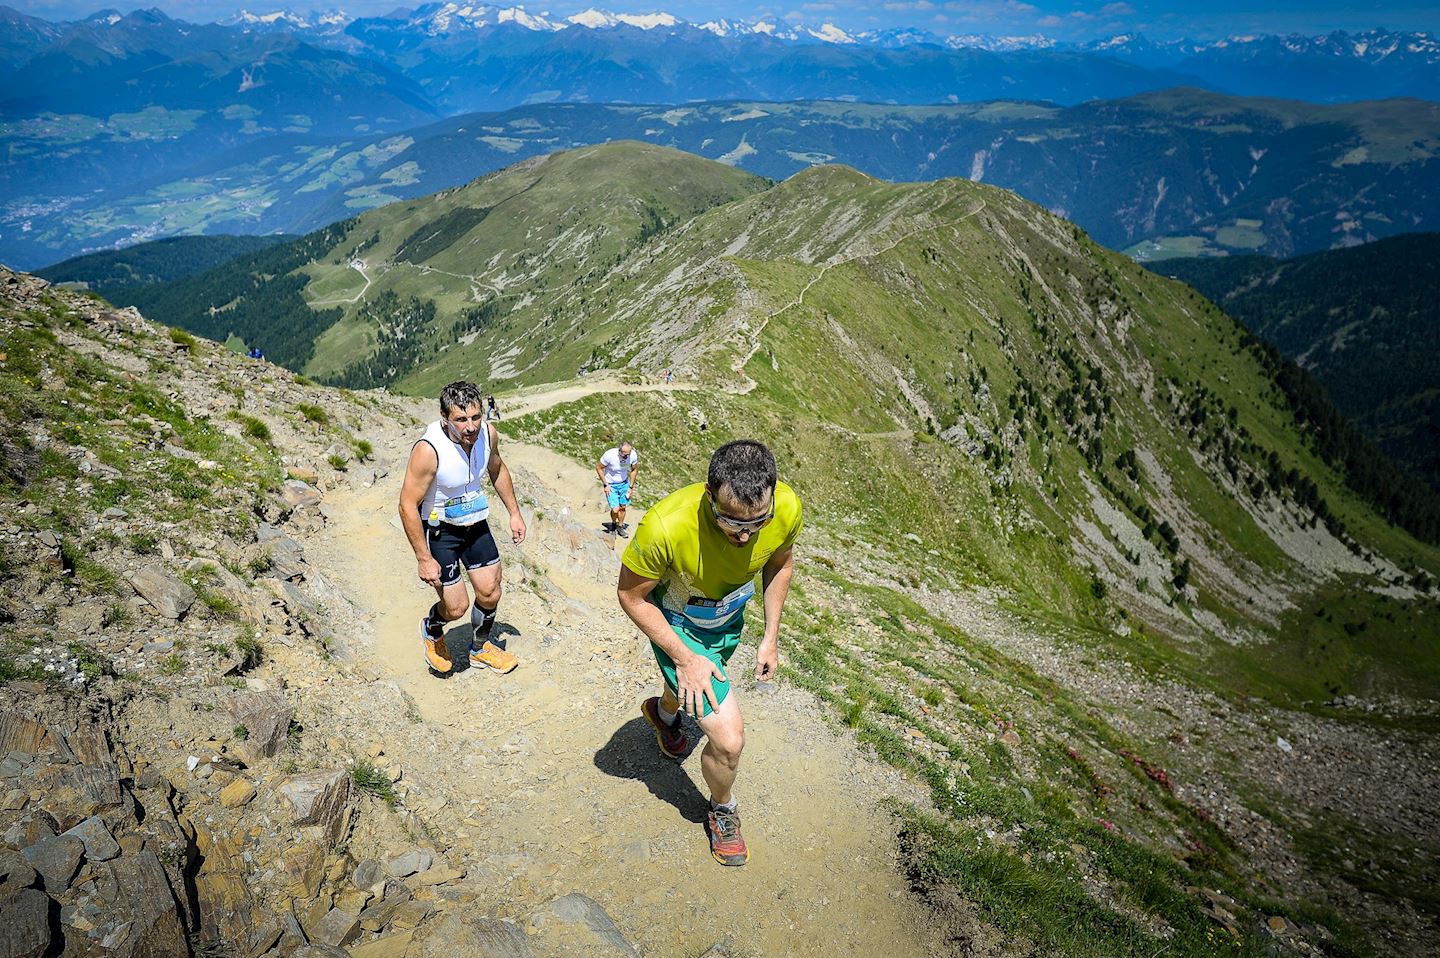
x=249, y=647
x=313, y=413
x=255, y=429
x=181, y=338
x=372, y=780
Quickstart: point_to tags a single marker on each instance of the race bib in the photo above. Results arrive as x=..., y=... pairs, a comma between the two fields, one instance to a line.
x=713, y=613
x=466, y=510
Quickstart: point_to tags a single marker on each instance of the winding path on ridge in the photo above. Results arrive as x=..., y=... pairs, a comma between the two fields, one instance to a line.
x=565, y=788
x=740, y=365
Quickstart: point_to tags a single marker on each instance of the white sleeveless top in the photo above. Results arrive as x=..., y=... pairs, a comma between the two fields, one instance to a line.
x=457, y=477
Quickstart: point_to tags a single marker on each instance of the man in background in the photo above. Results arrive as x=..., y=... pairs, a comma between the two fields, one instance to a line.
x=617, y=469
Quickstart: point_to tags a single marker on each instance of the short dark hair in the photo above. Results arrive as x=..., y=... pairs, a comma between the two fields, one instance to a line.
x=458, y=395
x=746, y=468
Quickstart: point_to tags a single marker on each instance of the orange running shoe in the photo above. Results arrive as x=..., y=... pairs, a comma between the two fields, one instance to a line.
x=673, y=742
x=726, y=844
x=493, y=657
x=437, y=656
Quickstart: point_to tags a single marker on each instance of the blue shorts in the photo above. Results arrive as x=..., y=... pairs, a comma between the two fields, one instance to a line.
x=619, y=494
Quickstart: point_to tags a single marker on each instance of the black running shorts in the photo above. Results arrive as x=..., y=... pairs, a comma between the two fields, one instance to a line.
x=451, y=546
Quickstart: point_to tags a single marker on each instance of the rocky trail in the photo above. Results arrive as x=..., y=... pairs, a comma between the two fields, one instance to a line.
x=552, y=779
x=218, y=737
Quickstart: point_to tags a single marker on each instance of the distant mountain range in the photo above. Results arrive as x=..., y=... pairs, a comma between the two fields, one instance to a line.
x=1171, y=173
x=1363, y=321
x=122, y=128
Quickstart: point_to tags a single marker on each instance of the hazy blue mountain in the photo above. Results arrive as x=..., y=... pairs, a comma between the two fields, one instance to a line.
x=21, y=38
x=1163, y=174
x=1333, y=67
x=1365, y=323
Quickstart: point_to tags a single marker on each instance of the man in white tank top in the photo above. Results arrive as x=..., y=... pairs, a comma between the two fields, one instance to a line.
x=445, y=513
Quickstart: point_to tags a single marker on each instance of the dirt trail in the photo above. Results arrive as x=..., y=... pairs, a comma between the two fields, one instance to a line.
x=572, y=794
x=533, y=400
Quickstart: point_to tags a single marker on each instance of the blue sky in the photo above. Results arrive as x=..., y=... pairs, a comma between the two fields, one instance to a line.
x=1063, y=19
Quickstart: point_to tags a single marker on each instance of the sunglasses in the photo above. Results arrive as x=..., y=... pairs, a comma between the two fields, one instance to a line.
x=742, y=525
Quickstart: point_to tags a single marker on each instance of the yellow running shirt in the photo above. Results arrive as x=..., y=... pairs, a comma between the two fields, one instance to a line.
x=705, y=579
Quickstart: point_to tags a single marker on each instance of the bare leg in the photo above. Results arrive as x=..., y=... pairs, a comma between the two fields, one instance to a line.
x=724, y=740
x=453, y=600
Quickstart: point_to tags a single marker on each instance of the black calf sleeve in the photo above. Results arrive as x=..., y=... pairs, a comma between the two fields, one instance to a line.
x=435, y=620
x=483, y=620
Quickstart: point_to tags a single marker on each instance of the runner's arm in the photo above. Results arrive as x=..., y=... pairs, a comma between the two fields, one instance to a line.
x=775, y=583
x=504, y=486
x=419, y=474
x=692, y=672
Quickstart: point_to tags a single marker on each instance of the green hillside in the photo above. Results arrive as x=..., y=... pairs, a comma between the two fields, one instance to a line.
x=160, y=261
x=1362, y=321
x=1068, y=540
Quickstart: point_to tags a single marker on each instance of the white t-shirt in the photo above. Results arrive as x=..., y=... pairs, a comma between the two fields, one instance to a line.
x=617, y=469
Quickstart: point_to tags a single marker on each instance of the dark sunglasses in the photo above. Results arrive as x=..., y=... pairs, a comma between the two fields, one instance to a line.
x=742, y=525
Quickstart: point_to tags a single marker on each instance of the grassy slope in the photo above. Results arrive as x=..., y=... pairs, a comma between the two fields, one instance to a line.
x=550, y=224
x=967, y=309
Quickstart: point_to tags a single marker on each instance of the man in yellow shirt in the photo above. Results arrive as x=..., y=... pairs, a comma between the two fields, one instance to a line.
x=684, y=581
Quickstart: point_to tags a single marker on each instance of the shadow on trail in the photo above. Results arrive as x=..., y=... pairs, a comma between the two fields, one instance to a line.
x=631, y=753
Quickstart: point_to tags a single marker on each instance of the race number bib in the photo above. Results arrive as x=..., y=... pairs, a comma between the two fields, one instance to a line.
x=714, y=613
x=466, y=510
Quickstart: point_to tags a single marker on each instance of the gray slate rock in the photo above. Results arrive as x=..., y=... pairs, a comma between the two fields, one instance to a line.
x=266, y=717
x=403, y=866
x=297, y=492
x=30, y=828
x=317, y=798
x=337, y=928
x=171, y=597
x=366, y=874
x=287, y=557
x=139, y=893
x=15, y=873
x=321, y=950
x=100, y=845
x=57, y=859
x=25, y=924
x=474, y=936
x=590, y=931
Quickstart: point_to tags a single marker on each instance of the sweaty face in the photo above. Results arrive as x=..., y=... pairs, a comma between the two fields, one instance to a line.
x=727, y=507
x=465, y=423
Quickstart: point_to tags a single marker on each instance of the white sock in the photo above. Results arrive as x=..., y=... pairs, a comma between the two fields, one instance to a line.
x=667, y=717
x=727, y=807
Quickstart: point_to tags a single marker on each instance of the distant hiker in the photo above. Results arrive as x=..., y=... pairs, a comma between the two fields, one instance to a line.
x=492, y=411
x=617, y=469
x=444, y=511
x=669, y=377
x=684, y=581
